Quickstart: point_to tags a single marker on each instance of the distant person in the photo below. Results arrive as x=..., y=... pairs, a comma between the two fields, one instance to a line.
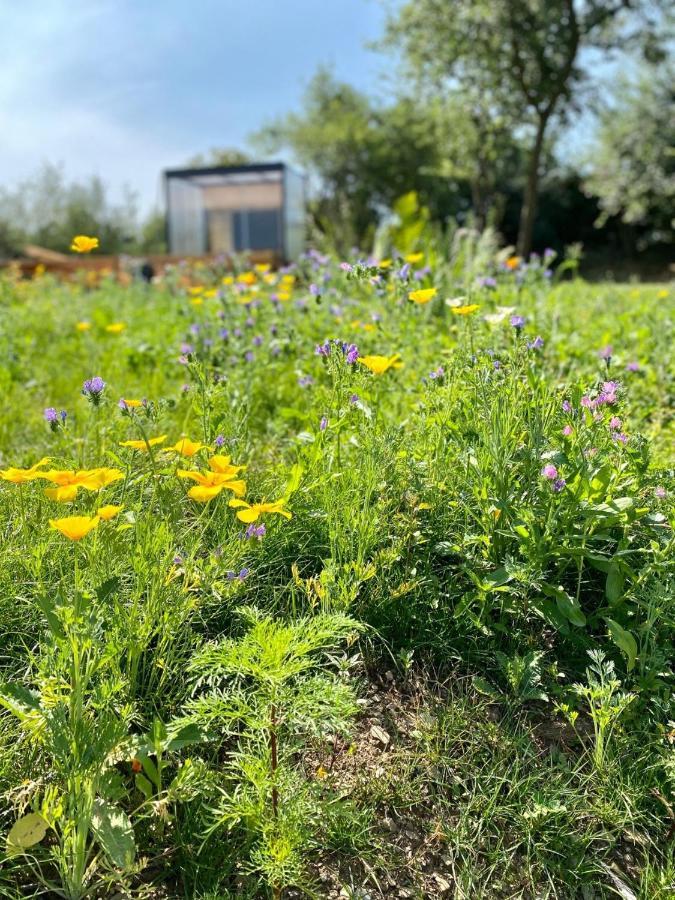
x=147, y=272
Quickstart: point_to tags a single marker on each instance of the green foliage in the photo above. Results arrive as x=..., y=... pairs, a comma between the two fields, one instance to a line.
x=632, y=165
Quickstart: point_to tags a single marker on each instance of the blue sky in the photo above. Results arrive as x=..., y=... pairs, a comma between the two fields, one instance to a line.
x=124, y=89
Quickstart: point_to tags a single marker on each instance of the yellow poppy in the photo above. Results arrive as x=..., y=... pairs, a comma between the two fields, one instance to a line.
x=384, y=264
x=144, y=445
x=133, y=404
x=210, y=484
x=283, y=295
x=197, y=301
x=223, y=466
x=513, y=262
x=69, y=482
x=662, y=294
x=186, y=447
x=247, y=278
x=378, y=365
x=108, y=512
x=83, y=244
x=263, y=268
x=413, y=258
x=21, y=476
x=75, y=527
x=251, y=512
x=422, y=296
x=227, y=279
x=115, y=327
x=83, y=326
x=195, y=289
x=465, y=310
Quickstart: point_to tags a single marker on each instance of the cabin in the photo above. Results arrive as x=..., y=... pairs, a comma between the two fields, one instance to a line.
x=226, y=210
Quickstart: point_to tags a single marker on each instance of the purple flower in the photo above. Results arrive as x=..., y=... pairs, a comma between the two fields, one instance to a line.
x=178, y=560
x=437, y=373
x=186, y=349
x=323, y=424
x=232, y=576
x=633, y=367
x=536, y=344
x=558, y=485
x=195, y=329
x=660, y=492
x=487, y=282
x=50, y=415
x=93, y=389
x=224, y=333
x=615, y=423
x=185, y=388
x=354, y=399
x=566, y=406
x=606, y=352
x=273, y=330
x=352, y=353
x=305, y=381
x=257, y=341
x=315, y=290
x=587, y=402
x=250, y=322
x=255, y=531
x=517, y=321
x=237, y=332
x=404, y=272
x=323, y=349
x=549, y=471
x=220, y=440
x=620, y=436
x=346, y=267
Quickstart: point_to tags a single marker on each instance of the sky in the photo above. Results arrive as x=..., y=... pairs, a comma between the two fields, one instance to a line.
x=126, y=89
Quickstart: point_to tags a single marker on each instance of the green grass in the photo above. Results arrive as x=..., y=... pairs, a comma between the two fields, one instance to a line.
x=142, y=704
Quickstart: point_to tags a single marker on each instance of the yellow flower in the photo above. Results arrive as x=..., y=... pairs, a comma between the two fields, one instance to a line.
x=197, y=301
x=263, y=268
x=83, y=326
x=69, y=482
x=662, y=294
x=227, y=279
x=83, y=244
x=143, y=445
x=283, y=295
x=21, y=476
x=422, y=296
x=251, y=512
x=413, y=258
x=288, y=280
x=195, y=289
x=465, y=310
x=378, y=365
x=115, y=327
x=223, y=466
x=108, y=512
x=384, y=264
x=75, y=527
x=211, y=293
x=186, y=447
x=133, y=404
x=513, y=262
x=210, y=484
x=247, y=278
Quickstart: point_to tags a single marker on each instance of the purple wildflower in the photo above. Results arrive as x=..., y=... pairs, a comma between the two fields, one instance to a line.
x=220, y=440
x=660, y=492
x=50, y=415
x=305, y=381
x=487, y=282
x=257, y=341
x=255, y=531
x=315, y=290
x=606, y=353
x=93, y=389
x=568, y=430
x=354, y=399
x=536, y=344
x=346, y=267
x=615, y=423
x=549, y=471
x=633, y=366
x=248, y=356
x=323, y=424
x=517, y=322
x=566, y=406
x=558, y=485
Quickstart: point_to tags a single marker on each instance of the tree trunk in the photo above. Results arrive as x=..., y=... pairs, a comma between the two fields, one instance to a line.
x=529, y=207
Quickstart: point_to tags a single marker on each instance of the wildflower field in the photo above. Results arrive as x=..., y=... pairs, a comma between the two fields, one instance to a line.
x=349, y=580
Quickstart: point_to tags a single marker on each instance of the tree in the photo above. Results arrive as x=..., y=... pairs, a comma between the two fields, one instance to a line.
x=521, y=57
x=363, y=155
x=219, y=156
x=632, y=163
x=48, y=210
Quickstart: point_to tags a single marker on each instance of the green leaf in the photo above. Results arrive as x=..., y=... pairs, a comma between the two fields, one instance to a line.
x=143, y=785
x=624, y=640
x=567, y=605
x=25, y=832
x=21, y=702
x=112, y=829
x=614, y=583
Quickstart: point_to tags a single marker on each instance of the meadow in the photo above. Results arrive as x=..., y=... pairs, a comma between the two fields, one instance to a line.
x=354, y=579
